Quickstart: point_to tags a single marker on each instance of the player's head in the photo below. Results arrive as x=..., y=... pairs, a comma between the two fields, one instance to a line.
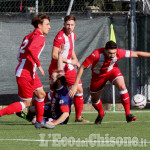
x=57, y=80
x=41, y=22
x=110, y=50
x=69, y=24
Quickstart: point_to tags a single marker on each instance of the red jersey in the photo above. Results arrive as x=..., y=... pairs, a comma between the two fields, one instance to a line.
x=101, y=65
x=29, y=53
x=68, y=41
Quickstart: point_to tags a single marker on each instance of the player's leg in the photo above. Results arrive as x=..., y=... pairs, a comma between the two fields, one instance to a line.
x=78, y=103
x=119, y=83
x=78, y=98
x=39, y=104
x=25, y=92
x=97, y=104
x=97, y=84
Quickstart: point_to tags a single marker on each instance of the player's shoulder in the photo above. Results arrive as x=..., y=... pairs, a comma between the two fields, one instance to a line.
x=98, y=51
x=60, y=33
x=119, y=50
x=64, y=91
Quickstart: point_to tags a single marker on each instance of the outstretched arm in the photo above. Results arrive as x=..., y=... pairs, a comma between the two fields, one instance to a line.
x=60, y=61
x=62, y=118
x=139, y=54
x=73, y=90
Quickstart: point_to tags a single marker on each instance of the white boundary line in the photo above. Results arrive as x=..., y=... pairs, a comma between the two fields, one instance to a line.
x=105, y=122
x=32, y=140
x=95, y=112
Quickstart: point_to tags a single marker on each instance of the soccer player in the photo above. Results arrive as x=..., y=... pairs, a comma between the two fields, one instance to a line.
x=26, y=76
x=59, y=107
x=67, y=37
x=104, y=68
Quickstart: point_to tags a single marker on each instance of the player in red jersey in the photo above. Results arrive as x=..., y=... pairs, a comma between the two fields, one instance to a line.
x=104, y=68
x=58, y=109
x=26, y=76
x=67, y=37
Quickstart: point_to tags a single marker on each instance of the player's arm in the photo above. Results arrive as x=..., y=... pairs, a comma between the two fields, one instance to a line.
x=60, y=61
x=55, y=54
x=75, y=60
x=139, y=54
x=35, y=49
x=73, y=89
x=62, y=118
x=65, y=60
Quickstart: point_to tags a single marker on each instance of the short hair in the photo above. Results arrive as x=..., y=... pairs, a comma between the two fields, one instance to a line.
x=60, y=76
x=110, y=45
x=69, y=17
x=38, y=19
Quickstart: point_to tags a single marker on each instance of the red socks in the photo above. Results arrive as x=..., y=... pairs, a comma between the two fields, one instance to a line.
x=78, y=104
x=98, y=106
x=125, y=100
x=39, y=107
x=12, y=108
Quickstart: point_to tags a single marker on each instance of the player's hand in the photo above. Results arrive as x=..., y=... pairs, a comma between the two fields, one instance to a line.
x=72, y=91
x=61, y=49
x=41, y=70
x=51, y=123
x=78, y=65
x=74, y=62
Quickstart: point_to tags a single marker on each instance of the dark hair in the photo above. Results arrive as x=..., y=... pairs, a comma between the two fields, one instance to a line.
x=110, y=45
x=61, y=77
x=62, y=80
x=69, y=17
x=38, y=19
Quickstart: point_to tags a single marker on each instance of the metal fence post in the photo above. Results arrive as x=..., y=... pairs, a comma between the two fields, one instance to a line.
x=133, y=71
x=36, y=7
x=70, y=7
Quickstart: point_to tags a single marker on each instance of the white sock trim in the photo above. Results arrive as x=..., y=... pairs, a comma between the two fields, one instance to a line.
x=23, y=105
x=79, y=94
x=96, y=103
x=39, y=100
x=123, y=92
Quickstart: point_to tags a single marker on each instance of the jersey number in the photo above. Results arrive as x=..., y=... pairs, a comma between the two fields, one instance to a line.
x=21, y=50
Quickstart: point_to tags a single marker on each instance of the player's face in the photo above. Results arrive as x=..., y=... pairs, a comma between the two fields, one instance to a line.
x=45, y=26
x=69, y=26
x=110, y=53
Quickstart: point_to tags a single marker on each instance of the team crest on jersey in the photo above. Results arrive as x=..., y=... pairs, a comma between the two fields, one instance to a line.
x=61, y=101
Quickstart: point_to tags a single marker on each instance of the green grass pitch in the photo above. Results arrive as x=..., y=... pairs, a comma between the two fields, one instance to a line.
x=114, y=133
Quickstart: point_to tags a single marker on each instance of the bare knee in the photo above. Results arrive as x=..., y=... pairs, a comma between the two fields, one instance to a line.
x=122, y=88
x=95, y=97
x=79, y=89
x=27, y=103
x=40, y=94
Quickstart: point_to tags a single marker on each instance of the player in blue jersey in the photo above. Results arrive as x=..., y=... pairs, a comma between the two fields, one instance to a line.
x=57, y=110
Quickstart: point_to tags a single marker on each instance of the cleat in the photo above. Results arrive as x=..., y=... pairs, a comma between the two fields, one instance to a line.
x=130, y=118
x=99, y=119
x=27, y=117
x=43, y=124
x=81, y=119
x=21, y=114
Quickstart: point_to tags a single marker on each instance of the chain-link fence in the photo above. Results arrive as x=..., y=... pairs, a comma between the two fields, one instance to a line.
x=26, y=8
x=93, y=31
